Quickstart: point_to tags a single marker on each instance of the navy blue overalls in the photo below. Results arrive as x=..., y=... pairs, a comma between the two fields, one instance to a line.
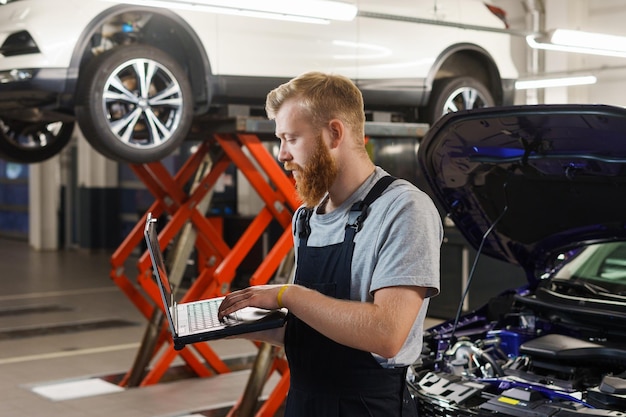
x=329, y=379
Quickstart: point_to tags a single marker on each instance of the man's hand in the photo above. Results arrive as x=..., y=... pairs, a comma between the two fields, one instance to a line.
x=262, y=296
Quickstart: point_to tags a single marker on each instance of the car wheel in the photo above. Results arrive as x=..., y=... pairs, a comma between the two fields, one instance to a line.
x=28, y=142
x=134, y=104
x=453, y=94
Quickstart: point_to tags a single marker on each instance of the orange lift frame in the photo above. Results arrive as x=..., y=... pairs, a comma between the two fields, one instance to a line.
x=219, y=262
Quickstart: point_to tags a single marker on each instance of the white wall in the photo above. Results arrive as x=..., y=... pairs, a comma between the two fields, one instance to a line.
x=608, y=16
x=603, y=16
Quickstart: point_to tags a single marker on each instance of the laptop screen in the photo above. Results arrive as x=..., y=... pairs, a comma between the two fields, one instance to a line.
x=246, y=320
x=160, y=275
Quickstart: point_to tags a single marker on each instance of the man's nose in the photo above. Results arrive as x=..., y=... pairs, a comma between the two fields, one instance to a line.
x=283, y=155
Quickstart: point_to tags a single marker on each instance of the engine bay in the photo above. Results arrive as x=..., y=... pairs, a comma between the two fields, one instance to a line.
x=556, y=347
x=521, y=355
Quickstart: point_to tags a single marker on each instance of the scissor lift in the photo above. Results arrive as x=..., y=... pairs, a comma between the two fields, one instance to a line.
x=224, y=141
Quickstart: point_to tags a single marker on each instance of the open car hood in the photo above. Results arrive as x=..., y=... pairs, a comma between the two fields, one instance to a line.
x=530, y=181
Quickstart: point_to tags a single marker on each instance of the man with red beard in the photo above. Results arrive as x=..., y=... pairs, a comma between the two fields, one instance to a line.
x=367, y=256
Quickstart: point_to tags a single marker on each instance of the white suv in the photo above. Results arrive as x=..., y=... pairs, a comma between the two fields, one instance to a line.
x=134, y=74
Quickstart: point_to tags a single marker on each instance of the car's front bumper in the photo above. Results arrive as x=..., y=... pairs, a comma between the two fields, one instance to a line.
x=34, y=94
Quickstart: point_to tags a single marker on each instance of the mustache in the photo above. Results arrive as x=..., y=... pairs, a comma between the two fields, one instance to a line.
x=292, y=166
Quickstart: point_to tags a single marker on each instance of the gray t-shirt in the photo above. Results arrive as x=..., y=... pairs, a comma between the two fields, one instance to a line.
x=399, y=244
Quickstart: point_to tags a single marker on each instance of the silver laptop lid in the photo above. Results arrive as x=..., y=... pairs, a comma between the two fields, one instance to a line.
x=160, y=275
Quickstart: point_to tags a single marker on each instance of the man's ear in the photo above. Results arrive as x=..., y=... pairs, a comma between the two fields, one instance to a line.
x=337, y=131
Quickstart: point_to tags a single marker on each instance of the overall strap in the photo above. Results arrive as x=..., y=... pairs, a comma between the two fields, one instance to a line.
x=358, y=212
x=303, y=228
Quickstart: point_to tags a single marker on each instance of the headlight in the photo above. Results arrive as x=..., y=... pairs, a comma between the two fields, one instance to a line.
x=16, y=75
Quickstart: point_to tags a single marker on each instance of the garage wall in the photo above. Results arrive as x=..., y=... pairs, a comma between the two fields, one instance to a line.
x=605, y=16
x=13, y=200
x=611, y=72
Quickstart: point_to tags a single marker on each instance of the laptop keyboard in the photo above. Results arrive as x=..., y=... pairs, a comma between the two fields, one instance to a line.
x=204, y=316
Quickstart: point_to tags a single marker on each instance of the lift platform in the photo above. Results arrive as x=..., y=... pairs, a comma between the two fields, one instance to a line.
x=182, y=199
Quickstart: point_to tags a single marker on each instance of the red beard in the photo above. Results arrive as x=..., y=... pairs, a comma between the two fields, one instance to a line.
x=315, y=178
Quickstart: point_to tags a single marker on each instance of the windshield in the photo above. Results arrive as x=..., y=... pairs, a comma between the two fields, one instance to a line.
x=602, y=265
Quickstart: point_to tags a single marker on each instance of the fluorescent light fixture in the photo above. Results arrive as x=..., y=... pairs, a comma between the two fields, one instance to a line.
x=555, y=82
x=306, y=11
x=580, y=42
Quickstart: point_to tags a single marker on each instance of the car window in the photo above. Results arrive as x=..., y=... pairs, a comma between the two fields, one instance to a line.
x=613, y=267
x=600, y=263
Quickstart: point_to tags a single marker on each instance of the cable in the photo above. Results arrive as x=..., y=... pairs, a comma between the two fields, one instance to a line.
x=473, y=269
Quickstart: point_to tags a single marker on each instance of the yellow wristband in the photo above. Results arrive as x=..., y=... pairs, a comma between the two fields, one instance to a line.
x=279, y=297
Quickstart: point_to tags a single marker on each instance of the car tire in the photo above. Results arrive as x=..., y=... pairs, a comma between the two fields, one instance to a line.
x=454, y=94
x=134, y=104
x=28, y=142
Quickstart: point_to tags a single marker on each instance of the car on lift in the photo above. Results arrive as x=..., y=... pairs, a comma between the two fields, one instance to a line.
x=134, y=74
x=542, y=188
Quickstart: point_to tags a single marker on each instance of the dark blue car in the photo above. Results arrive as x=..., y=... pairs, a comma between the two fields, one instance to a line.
x=544, y=188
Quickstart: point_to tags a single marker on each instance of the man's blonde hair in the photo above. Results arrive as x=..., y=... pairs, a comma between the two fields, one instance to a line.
x=324, y=97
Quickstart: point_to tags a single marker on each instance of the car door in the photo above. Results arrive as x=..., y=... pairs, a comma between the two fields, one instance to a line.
x=263, y=47
x=400, y=39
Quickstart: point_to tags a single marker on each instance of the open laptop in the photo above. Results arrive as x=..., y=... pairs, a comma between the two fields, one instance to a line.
x=197, y=321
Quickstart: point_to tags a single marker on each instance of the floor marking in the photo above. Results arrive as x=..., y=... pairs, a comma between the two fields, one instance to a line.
x=66, y=353
x=76, y=389
x=57, y=293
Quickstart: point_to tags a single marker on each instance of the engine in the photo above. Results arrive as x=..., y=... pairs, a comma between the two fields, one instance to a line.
x=520, y=365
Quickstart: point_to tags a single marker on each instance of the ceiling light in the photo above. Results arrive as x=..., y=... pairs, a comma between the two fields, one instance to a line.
x=555, y=82
x=580, y=42
x=307, y=11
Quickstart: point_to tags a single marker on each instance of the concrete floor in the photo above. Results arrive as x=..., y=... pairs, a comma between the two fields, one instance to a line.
x=66, y=330
x=68, y=335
